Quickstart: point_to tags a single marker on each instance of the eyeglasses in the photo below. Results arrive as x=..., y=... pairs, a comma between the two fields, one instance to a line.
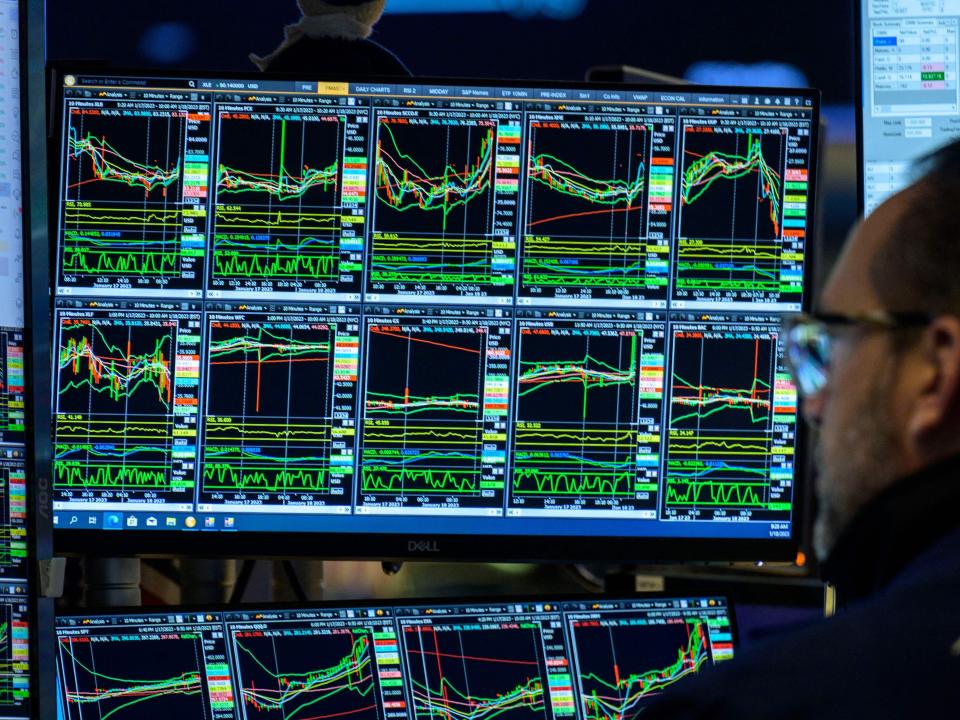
x=808, y=341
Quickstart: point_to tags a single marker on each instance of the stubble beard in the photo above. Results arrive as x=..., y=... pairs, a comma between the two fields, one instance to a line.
x=854, y=465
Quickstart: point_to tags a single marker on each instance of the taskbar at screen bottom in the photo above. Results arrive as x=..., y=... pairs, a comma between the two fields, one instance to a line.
x=165, y=522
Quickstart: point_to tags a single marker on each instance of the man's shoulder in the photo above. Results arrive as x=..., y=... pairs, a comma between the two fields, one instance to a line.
x=887, y=658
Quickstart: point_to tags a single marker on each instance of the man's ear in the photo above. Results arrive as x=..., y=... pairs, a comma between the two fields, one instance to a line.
x=933, y=382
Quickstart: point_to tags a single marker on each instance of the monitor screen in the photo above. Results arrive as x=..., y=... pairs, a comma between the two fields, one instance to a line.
x=910, y=96
x=576, y=660
x=427, y=311
x=16, y=547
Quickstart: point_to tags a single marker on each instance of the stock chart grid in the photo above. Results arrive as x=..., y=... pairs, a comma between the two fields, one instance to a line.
x=360, y=304
x=583, y=659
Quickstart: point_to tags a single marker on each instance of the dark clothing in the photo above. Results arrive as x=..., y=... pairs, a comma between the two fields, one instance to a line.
x=337, y=57
x=892, y=652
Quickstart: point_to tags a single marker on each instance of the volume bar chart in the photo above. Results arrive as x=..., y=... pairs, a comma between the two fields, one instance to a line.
x=443, y=221
x=133, y=198
x=587, y=399
x=289, y=203
x=279, y=385
x=126, y=401
x=434, y=411
x=741, y=224
x=598, y=201
x=732, y=417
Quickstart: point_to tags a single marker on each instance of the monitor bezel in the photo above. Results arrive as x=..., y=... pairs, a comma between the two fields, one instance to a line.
x=39, y=572
x=859, y=69
x=435, y=546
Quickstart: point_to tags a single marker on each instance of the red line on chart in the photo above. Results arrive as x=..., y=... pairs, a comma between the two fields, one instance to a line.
x=581, y=214
x=410, y=338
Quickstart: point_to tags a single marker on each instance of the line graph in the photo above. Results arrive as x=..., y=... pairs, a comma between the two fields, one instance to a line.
x=273, y=391
x=124, y=392
x=622, y=666
x=164, y=678
x=586, y=205
x=133, y=186
x=441, y=220
x=742, y=211
x=110, y=166
x=748, y=160
x=578, y=442
x=432, y=388
x=306, y=674
x=403, y=184
x=281, y=220
x=724, y=441
x=473, y=674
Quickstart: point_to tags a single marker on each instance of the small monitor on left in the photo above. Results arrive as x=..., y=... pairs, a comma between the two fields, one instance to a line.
x=17, y=602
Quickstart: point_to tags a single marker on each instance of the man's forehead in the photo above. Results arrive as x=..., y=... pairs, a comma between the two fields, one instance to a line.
x=849, y=288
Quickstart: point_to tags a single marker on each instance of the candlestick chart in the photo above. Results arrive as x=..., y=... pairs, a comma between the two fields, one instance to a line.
x=578, y=398
x=458, y=671
x=586, y=201
x=435, y=221
x=730, y=227
x=621, y=666
x=132, y=214
x=278, y=211
x=271, y=397
x=100, y=678
x=120, y=405
x=722, y=435
x=304, y=674
x=424, y=404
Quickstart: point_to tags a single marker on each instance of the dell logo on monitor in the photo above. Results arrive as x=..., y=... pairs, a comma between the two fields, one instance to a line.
x=423, y=546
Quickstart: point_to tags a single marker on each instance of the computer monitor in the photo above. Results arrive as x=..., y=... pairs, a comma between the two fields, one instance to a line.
x=427, y=317
x=909, y=104
x=18, y=601
x=585, y=659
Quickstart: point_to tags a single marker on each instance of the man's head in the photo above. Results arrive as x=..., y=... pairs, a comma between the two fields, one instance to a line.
x=891, y=404
x=366, y=11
